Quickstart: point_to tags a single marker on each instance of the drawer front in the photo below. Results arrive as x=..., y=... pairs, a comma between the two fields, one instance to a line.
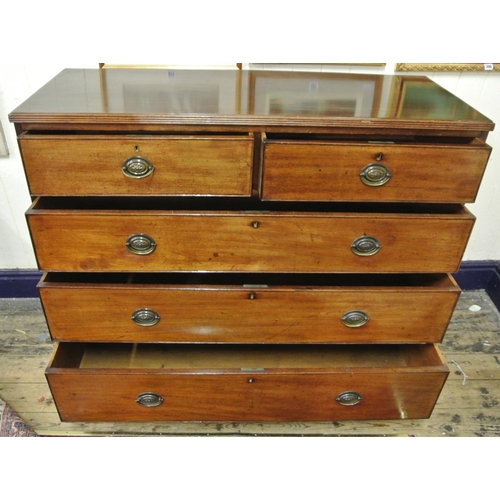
x=279, y=394
x=248, y=313
x=326, y=242
x=111, y=165
x=373, y=172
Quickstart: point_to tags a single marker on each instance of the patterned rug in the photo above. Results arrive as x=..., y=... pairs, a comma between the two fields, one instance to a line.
x=11, y=425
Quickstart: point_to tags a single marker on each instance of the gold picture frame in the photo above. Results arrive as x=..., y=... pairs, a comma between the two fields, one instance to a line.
x=429, y=67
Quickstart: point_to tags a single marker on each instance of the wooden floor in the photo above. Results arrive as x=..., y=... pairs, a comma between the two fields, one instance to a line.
x=468, y=406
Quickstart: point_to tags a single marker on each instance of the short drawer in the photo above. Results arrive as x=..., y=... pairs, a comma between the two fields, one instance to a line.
x=344, y=171
x=137, y=382
x=138, y=165
x=121, y=236
x=247, y=308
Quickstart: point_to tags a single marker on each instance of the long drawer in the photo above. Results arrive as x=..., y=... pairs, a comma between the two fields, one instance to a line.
x=247, y=308
x=121, y=235
x=343, y=171
x=137, y=382
x=138, y=165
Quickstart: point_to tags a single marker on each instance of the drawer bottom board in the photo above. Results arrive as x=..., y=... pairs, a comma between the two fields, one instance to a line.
x=134, y=382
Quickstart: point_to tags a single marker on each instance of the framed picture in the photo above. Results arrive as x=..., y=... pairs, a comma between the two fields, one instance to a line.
x=314, y=94
x=430, y=67
x=417, y=97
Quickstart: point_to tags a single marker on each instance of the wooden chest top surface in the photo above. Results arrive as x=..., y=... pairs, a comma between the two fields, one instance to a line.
x=247, y=98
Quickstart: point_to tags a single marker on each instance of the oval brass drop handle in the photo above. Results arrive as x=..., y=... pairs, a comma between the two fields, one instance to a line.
x=140, y=244
x=365, y=246
x=149, y=399
x=349, y=398
x=145, y=317
x=137, y=167
x=375, y=174
x=355, y=319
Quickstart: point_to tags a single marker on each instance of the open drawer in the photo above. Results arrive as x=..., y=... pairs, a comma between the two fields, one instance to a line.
x=151, y=234
x=113, y=164
x=247, y=308
x=309, y=168
x=144, y=382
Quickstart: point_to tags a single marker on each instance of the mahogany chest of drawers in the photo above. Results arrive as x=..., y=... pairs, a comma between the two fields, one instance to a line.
x=248, y=246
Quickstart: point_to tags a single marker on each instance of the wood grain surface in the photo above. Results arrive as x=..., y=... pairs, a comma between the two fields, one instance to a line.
x=316, y=170
x=466, y=407
x=94, y=240
x=296, y=311
x=183, y=165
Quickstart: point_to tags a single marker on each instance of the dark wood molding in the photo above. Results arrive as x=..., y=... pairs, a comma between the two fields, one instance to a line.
x=19, y=283
x=479, y=275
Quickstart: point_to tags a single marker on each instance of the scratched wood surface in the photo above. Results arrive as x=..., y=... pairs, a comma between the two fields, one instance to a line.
x=468, y=406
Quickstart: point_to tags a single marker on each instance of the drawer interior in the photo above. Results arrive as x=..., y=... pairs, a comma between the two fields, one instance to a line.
x=421, y=140
x=189, y=204
x=250, y=280
x=251, y=358
x=40, y=134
